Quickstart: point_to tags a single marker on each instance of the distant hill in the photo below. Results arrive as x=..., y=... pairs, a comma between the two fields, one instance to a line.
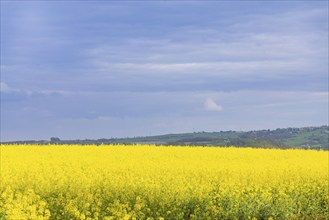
x=306, y=137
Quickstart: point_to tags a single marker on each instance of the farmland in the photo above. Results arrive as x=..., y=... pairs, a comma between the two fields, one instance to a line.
x=158, y=182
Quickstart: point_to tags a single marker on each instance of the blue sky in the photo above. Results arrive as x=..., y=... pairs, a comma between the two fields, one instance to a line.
x=116, y=69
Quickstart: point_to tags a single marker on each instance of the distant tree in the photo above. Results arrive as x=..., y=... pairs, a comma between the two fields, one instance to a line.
x=55, y=139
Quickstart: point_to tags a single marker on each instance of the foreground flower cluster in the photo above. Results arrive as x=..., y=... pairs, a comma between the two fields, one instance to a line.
x=149, y=182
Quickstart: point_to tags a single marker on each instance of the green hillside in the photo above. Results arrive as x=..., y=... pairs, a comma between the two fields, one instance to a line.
x=307, y=137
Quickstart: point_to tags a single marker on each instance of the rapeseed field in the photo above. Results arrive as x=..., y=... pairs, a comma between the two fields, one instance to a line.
x=151, y=182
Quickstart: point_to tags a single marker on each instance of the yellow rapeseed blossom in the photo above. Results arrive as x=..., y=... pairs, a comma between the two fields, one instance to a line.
x=151, y=182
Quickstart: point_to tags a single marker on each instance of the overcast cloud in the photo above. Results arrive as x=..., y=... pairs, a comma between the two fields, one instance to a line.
x=116, y=69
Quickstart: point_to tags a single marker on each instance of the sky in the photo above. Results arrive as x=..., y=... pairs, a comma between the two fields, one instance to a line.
x=102, y=69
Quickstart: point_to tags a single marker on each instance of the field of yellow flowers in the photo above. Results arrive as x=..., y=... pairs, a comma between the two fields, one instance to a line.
x=150, y=182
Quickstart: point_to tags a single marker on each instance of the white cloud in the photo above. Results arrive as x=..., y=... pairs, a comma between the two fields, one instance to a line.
x=211, y=105
x=6, y=89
